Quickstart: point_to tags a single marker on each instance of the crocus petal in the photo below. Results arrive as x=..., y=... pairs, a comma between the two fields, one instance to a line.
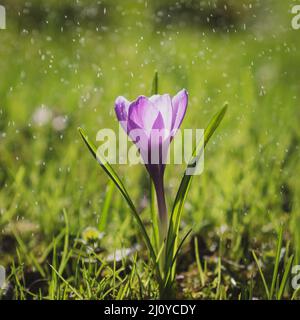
x=121, y=109
x=159, y=133
x=158, y=123
x=163, y=104
x=151, y=123
x=142, y=114
x=141, y=139
x=179, y=103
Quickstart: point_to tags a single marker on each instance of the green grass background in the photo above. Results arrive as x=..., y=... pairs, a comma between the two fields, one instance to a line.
x=250, y=186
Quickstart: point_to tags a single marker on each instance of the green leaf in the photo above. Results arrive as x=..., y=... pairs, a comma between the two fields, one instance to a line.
x=186, y=182
x=154, y=89
x=179, y=247
x=117, y=181
x=187, y=179
x=285, y=277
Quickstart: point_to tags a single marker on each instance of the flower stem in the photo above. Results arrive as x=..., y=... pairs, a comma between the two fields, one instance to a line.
x=162, y=209
x=163, y=216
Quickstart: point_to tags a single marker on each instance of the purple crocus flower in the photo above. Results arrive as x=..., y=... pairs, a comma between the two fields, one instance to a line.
x=152, y=123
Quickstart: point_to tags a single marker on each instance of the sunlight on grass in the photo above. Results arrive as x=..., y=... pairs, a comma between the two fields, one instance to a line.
x=59, y=75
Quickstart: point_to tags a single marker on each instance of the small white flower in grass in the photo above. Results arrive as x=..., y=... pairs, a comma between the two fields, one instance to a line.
x=42, y=116
x=91, y=234
x=123, y=253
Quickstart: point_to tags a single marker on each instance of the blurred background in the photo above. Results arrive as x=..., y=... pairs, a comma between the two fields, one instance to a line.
x=63, y=63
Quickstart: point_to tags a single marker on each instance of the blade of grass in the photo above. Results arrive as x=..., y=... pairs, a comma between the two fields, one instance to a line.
x=53, y=281
x=154, y=89
x=261, y=274
x=218, y=290
x=277, y=260
x=199, y=266
x=285, y=277
x=64, y=259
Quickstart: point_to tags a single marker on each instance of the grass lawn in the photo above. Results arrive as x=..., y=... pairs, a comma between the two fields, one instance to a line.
x=65, y=230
